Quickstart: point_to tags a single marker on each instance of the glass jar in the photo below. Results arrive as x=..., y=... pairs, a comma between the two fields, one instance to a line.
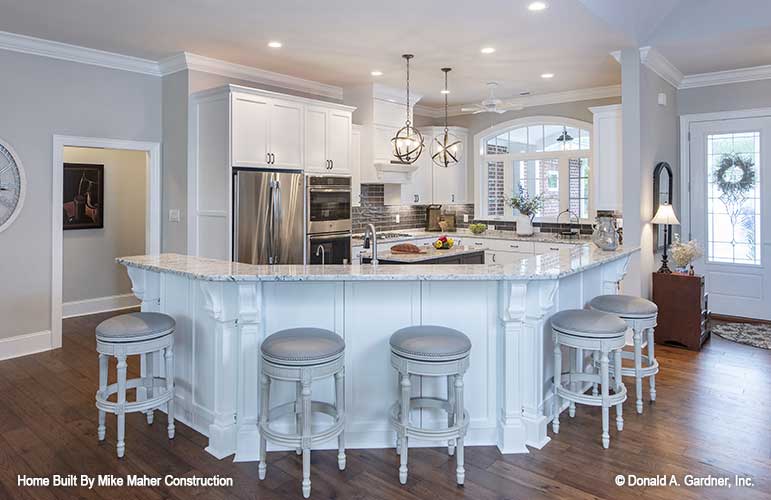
x=605, y=235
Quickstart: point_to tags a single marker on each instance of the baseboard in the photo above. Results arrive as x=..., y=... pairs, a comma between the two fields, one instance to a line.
x=22, y=345
x=99, y=305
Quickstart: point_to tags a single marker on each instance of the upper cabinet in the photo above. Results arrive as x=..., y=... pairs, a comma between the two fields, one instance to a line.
x=450, y=184
x=327, y=140
x=607, y=160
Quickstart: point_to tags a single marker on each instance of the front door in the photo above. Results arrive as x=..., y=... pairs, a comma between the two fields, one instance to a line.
x=730, y=213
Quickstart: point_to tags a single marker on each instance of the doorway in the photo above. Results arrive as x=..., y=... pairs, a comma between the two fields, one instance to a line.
x=730, y=211
x=92, y=151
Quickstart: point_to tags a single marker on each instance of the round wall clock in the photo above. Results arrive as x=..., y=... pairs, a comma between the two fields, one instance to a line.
x=12, y=185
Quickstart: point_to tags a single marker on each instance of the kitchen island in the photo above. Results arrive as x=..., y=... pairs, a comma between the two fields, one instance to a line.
x=225, y=309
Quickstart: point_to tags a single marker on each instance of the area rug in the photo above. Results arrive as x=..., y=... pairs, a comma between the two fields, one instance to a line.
x=756, y=335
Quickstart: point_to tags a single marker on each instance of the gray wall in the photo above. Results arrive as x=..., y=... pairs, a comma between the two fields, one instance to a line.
x=40, y=97
x=91, y=272
x=175, y=93
x=728, y=97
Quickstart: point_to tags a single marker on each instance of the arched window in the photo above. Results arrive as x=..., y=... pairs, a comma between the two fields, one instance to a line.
x=548, y=156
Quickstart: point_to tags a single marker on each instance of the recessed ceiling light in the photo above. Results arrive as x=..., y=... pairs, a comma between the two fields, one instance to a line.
x=275, y=45
x=376, y=73
x=487, y=50
x=537, y=6
x=547, y=75
x=445, y=91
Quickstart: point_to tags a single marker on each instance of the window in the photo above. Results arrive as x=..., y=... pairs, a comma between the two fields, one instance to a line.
x=733, y=215
x=550, y=158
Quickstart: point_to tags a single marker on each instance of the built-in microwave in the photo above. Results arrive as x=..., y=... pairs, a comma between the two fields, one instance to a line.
x=328, y=204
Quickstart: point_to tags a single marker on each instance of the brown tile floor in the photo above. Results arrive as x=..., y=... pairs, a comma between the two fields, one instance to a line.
x=712, y=417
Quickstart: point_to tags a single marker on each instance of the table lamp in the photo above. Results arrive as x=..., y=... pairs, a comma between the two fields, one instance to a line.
x=665, y=215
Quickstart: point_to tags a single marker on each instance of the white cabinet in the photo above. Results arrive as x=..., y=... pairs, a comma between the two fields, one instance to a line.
x=450, y=183
x=607, y=160
x=418, y=191
x=327, y=140
x=356, y=165
x=267, y=132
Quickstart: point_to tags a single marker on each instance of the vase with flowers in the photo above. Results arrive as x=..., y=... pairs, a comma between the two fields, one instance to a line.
x=527, y=207
x=682, y=254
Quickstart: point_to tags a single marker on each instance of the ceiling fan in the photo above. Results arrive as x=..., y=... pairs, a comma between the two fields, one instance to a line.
x=492, y=104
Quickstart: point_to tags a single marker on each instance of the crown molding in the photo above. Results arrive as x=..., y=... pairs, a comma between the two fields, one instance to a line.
x=195, y=62
x=519, y=103
x=660, y=65
x=74, y=53
x=723, y=77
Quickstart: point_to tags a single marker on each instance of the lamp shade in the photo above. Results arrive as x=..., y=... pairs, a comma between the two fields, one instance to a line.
x=665, y=215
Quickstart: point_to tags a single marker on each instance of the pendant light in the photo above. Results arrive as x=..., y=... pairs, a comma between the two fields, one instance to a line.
x=446, y=148
x=407, y=143
x=564, y=137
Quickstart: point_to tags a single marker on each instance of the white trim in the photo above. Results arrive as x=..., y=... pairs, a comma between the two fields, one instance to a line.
x=22, y=345
x=685, y=154
x=22, y=186
x=153, y=216
x=101, y=304
x=519, y=103
x=75, y=53
x=660, y=65
x=725, y=77
x=195, y=62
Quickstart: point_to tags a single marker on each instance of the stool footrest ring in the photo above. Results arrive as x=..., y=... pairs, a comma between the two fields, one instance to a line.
x=295, y=440
x=456, y=431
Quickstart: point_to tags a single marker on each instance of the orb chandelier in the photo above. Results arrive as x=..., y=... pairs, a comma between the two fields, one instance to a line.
x=407, y=143
x=446, y=148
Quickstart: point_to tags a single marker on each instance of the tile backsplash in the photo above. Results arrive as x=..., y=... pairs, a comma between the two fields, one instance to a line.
x=373, y=210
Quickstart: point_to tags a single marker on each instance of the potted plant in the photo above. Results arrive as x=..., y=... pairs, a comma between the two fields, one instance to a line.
x=527, y=208
x=684, y=253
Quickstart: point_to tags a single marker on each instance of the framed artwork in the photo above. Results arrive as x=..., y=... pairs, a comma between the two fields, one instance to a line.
x=83, y=196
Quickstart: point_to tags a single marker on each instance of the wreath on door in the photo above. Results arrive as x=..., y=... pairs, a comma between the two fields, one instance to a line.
x=735, y=177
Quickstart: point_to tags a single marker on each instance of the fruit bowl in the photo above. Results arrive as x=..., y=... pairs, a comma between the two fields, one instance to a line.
x=444, y=243
x=477, y=228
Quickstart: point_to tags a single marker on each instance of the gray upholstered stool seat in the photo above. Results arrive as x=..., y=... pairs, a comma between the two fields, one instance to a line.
x=151, y=336
x=135, y=327
x=624, y=305
x=430, y=343
x=300, y=346
x=588, y=323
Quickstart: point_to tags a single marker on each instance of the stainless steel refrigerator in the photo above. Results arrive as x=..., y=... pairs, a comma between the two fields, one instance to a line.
x=268, y=222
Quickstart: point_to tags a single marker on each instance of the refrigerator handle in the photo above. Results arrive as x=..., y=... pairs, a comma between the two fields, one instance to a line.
x=279, y=221
x=271, y=238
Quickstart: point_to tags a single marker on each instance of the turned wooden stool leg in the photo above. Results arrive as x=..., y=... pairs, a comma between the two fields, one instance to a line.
x=638, y=369
x=596, y=364
x=120, y=410
x=573, y=369
x=264, y=395
x=557, y=382
x=170, y=388
x=103, y=367
x=452, y=415
x=405, y=419
x=298, y=414
x=306, y=437
x=619, y=383
x=149, y=382
x=340, y=406
x=460, y=471
x=651, y=362
x=605, y=394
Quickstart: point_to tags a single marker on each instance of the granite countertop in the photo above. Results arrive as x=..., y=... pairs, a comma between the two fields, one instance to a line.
x=489, y=234
x=565, y=262
x=429, y=254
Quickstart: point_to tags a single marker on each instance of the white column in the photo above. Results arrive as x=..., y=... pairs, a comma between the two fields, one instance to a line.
x=511, y=429
x=249, y=334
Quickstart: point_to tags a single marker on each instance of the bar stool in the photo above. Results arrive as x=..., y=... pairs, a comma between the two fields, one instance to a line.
x=302, y=355
x=430, y=351
x=583, y=330
x=640, y=315
x=143, y=333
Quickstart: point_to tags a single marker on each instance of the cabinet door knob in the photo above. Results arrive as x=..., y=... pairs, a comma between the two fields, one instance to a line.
x=453, y=199
x=267, y=158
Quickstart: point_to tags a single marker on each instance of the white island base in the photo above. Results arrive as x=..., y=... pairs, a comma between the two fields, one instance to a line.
x=223, y=311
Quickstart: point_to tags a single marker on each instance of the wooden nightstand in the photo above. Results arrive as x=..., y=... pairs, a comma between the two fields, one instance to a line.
x=683, y=318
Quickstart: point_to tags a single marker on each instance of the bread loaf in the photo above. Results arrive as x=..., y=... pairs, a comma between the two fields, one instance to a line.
x=405, y=248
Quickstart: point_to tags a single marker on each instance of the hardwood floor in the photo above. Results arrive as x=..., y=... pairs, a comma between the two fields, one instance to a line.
x=711, y=418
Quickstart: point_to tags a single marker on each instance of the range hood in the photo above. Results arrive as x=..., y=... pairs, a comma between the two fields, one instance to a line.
x=380, y=111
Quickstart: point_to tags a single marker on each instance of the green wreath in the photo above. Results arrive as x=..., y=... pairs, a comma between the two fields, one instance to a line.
x=735, y=175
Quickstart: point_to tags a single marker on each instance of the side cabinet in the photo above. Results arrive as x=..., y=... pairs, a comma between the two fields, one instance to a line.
x=327, y=140
x=606, y=162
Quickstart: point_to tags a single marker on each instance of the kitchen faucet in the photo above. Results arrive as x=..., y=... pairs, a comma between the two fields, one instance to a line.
x=320, y=249
x=371, y=235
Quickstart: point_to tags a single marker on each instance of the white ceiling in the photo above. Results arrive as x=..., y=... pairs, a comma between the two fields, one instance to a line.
x=339, y=42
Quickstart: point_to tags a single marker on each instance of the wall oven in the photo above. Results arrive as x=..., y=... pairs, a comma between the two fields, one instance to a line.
x=328, y=219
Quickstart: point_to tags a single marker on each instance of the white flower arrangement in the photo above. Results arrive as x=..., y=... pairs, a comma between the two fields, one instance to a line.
x=684, y=253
